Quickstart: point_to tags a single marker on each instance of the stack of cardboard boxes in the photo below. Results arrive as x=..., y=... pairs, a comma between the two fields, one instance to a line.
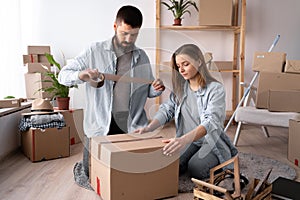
x=49, y=143
x=279, y=91
x=37, y=64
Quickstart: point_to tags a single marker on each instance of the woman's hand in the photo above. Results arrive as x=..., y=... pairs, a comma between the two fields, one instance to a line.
x=174, y=145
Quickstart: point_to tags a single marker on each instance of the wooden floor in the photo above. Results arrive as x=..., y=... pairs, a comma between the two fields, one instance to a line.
x=53, y=180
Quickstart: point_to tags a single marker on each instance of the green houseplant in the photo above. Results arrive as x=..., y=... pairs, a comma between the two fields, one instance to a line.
x=60, y=92
x=179, y=8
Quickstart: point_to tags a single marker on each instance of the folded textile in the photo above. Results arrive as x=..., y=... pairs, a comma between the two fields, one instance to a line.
x=43, y=119
x=52, y=122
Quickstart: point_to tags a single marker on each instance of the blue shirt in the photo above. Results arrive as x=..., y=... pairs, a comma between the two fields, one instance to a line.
x=97, y=112
x=211, y=106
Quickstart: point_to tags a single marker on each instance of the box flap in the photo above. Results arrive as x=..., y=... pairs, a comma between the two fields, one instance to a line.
x=131, y=154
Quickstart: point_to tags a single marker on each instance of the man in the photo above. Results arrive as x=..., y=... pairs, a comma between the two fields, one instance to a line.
x=116, y=107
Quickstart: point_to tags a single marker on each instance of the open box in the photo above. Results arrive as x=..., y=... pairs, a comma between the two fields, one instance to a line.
x=129, y=167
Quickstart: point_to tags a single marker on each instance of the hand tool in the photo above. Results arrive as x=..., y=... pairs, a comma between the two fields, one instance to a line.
x=97, y=83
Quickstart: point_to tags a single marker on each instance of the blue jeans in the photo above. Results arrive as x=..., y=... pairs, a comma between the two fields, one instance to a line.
x=197, y=161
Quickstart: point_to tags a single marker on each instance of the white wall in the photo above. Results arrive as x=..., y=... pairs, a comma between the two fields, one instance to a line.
x=70, y=25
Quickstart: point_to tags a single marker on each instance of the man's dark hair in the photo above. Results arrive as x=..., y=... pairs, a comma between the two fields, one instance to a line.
x=130, y=15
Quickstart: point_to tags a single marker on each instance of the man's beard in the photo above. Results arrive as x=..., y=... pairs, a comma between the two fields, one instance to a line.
x=120, y=47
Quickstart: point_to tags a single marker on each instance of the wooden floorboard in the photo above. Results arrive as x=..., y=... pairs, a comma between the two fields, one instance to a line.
x=51, y=180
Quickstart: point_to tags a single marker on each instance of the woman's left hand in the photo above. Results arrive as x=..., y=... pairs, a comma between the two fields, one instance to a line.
x=173, y=145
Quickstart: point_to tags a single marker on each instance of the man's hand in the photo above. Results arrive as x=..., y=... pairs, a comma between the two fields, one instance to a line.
x=158, y=85
x=89, y=74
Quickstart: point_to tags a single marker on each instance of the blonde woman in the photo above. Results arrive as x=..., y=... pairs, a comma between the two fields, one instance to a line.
x=197, y=104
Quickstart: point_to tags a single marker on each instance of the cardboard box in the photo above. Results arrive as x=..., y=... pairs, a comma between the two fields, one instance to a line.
x=74, y=119
x=51, y=143
x=42, y=59
x=269, y=61
x=127, y=167
x=9, y=103
x=274, y=81
x=215, y=12
x=33, y=82
x=38, y=67
x=38, y=49
x=224, y=65
x=292, y=66
x=293, y=144
x=30, y=59
x=284, y=100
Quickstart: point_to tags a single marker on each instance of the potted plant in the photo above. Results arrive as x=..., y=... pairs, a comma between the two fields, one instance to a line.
x=60, y=92
x=179, y=8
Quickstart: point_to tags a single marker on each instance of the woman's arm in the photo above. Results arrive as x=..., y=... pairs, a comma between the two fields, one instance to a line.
x=154, y=124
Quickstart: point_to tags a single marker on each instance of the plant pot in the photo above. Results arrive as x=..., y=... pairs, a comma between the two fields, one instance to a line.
x=63, y=103
x=177, y=22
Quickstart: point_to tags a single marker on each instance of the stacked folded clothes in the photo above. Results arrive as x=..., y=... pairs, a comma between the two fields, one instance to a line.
x=55, y=120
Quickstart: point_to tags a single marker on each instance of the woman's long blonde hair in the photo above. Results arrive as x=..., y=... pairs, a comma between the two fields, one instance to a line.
x=203, y=75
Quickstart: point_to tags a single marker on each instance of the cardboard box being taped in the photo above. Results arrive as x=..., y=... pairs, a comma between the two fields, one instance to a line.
x=292, y=66
x=269, y=61
x=128, y=167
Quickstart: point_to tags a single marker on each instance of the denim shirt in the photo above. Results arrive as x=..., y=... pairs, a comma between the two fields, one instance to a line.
x=211, y=107
x=97, y=112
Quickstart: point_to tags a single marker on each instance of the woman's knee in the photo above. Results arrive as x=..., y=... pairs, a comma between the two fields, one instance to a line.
x=198, y=171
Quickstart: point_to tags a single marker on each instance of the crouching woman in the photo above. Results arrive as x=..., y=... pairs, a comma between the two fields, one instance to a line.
x=197, y=103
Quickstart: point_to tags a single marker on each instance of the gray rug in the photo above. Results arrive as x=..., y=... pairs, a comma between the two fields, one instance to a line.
x=251, y=166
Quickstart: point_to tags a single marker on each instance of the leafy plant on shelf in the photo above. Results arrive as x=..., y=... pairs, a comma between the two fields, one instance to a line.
x=57, y=89
x=180, y=7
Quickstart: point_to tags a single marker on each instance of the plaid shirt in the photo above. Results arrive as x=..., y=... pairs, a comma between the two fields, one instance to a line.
x=26, y=123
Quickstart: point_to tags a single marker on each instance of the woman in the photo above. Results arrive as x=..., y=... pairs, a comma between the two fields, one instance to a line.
x=198, y=105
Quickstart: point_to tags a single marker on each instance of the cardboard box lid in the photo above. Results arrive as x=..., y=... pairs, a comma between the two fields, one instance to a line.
x=284, y=100
x=131, y=153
